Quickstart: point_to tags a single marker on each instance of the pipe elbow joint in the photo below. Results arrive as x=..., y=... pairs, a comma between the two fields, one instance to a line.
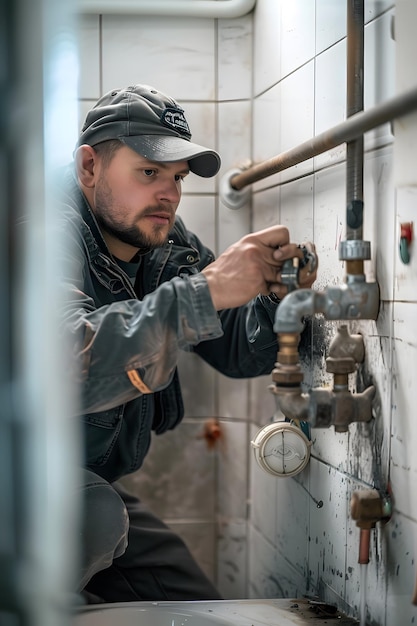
x=292, y=402
x=289, y=314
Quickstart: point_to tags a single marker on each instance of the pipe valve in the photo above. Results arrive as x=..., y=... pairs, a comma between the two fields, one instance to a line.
x=291, y=268
x=368, y=507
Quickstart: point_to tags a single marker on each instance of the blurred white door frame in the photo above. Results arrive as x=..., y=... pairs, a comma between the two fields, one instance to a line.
x=38, y=439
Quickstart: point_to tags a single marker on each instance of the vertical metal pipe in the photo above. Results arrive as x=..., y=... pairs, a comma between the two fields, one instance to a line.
x=354, y=104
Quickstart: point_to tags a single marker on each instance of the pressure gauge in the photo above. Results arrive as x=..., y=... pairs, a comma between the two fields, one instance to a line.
x=281, y=449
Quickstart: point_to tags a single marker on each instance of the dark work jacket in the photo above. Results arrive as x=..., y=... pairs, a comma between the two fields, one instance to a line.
x=125, y=342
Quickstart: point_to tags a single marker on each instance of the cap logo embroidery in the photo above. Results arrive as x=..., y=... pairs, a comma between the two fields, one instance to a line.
x=175, y=118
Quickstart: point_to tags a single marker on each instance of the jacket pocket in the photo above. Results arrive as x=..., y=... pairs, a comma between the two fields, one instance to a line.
x=100, y=434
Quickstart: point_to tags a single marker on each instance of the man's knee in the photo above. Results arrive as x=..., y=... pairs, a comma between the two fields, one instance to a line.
x=105, y=525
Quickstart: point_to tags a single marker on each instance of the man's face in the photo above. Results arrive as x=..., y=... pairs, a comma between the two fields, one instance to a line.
x=135, y=200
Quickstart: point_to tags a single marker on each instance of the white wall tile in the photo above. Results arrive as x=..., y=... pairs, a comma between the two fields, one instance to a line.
x=232, y=551
x=232, y=469
x=284, y=39
x=198, y=213
x=373, y=8
x=405, y=128
x=235, y=58
x=292, y=533
x=296, y=110
x=330, y=98
x=263, y=578
x=192, y=368
x=330, y=23
x=331, y=19
x=379, y=219
x=201, y=118
x=327, y=553
x=283, y=119
x=330, y=446
x=161, y=482
x=235, y=128
x=262, y=405
x=401, y=570
x=234, y=131
x=297, y=35
x=233, y=397
x=89, y=55
x=175, y=55
x=270, y=575
x=266, y=208
x=200, y=538
x=329, y=224
x=404, y=402
x=297, y=201
x=232, y=225
x=379, y=73
x=267, y=131
x=267, y=45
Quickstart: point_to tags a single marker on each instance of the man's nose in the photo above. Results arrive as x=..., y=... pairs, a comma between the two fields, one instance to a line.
x=170, y=191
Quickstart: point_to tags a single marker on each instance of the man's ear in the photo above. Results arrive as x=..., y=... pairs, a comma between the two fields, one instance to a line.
x=86, y=160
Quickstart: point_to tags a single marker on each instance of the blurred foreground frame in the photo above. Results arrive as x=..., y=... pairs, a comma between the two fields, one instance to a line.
x=38, y=443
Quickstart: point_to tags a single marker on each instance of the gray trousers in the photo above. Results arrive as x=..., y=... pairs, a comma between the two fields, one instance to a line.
x=128, y=554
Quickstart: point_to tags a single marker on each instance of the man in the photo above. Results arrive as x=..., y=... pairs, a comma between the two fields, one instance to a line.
x=139, y=289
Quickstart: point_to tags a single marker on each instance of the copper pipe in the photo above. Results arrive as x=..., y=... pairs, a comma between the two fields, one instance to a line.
x=353, y=127
x=364, y=541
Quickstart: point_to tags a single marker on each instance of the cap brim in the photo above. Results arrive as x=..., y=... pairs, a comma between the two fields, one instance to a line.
x=203, y=162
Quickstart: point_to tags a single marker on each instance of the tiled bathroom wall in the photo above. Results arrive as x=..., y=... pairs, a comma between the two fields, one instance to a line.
x=253, y=87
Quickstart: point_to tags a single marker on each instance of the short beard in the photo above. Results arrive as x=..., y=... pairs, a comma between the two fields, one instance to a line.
x=132, y=235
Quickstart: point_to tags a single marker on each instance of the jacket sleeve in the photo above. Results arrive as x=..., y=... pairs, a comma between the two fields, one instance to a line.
x=130, y=347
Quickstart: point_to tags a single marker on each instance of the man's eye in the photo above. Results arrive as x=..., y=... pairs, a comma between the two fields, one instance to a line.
x=149, y=172
x=179, y=177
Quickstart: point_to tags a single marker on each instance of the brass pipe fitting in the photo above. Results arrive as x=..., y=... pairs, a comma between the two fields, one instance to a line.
x=346, y=348
x=288, y=348
x=287, y=371
x=355, y=268
x=368, y=507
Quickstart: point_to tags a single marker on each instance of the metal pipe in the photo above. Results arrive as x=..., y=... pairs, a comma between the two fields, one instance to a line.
x=354, y=104
x=364, y=541
x=178, y=8
x=351, y=128
x=351, y=301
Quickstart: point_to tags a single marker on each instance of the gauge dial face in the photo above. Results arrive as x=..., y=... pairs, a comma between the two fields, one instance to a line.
x=282, y=449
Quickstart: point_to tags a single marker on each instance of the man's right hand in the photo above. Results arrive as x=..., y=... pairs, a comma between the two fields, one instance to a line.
x=251, y=266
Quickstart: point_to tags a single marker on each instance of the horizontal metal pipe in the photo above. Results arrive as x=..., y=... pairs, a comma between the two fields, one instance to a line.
x=176, y=8
x=351, y=128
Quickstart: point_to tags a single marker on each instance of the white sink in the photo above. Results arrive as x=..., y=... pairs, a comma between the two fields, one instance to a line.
x=281, y=612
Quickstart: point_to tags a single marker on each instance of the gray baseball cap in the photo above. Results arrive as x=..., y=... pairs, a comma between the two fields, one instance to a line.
x=150, y=123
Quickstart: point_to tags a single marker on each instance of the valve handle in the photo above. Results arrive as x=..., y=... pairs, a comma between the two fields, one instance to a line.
x=291, y=268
